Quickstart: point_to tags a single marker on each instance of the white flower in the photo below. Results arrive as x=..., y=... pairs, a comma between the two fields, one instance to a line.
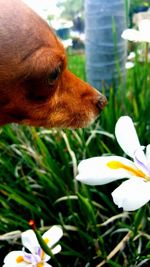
x=129, y=65
x=37, y=257
x=141, y=35
x=133, y=193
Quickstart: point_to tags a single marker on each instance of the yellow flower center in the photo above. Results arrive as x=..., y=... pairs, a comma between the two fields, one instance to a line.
x=46, y=240
x=118, y=165
x=19, y=259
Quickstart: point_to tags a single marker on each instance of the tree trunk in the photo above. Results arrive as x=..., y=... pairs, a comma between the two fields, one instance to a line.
x=105, y=49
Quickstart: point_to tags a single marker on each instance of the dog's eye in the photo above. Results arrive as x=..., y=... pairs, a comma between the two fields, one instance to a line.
x=54, y=74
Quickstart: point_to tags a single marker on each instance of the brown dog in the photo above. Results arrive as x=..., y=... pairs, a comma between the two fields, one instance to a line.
x=35, y=86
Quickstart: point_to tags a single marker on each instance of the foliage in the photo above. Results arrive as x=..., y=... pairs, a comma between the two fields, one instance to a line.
x=71, y=8
x=136, y=3
x=38, y=167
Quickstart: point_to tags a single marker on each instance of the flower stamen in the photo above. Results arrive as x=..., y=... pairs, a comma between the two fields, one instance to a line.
x=20, y=259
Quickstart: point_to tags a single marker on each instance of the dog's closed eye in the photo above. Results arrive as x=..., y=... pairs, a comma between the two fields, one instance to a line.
x=54, y=75
x=46, y=81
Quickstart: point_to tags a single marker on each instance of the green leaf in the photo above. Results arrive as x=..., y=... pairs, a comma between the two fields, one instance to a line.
x=139, y=215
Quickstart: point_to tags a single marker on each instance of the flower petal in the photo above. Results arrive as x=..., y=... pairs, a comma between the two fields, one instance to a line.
x=45, y=257
x=32, y=258
x=129, y=65
x=14, y=259
x=126, y=135
x=131, y=35
x=148, y=154
x=53, y=235
x=103, y=170
x=140, y=161
x=56, y=249
x=144, y=26
x=132, y=194
x=30, y=241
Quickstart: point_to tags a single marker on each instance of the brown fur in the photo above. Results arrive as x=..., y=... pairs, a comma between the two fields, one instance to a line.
x=30, y=55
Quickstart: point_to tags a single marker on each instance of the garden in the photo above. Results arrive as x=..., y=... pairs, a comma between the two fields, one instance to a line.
x=42, y=187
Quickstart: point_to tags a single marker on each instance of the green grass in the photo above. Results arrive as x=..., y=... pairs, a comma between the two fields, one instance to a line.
x=76, y=63
x=37, y=182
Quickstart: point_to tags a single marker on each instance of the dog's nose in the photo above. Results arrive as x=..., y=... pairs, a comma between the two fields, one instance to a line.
x=101, y=103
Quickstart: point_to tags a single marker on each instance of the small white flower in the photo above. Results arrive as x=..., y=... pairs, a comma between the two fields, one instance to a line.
x=141, y=35
x=131, y=56
x=129, y=65
x=37, y=257
x=133, y=193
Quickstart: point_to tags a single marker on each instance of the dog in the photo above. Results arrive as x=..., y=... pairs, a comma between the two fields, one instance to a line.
x=36, y=88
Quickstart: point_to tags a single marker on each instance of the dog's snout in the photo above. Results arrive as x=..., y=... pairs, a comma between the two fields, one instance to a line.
x=101, y=103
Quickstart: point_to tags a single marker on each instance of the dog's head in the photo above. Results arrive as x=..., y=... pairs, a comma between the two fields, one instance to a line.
x=35, y=86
